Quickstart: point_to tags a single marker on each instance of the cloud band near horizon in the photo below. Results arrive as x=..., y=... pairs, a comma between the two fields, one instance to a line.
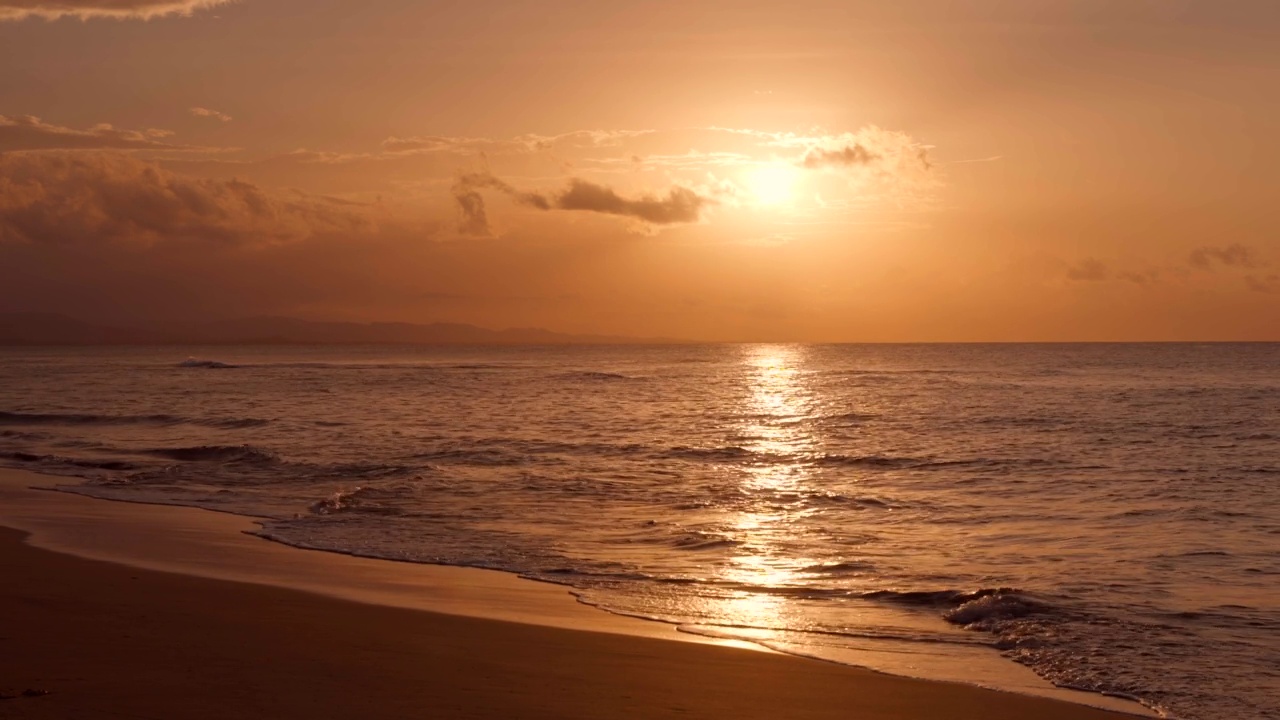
x=88, y=9
x=88, y=198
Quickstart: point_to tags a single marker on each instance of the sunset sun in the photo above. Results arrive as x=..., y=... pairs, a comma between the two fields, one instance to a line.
x=773, y=185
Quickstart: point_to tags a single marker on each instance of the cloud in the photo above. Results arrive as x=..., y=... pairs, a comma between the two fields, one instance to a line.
x=529, y=143
x=875, y=159
x=991, y=159
x=466, y=191
x=445, y=144
x=847, y=156
x=206, y=112
x=1093, y=270
x=691, y=160
x=86, y=9
x=1088, y=270
x=1150, y=276
x=475, y=218
x=896, y=169
x=1206, y=258
x=71, y=198
x=1269, y=284
x=27, y=132
x=679, y=205
x=580, y=139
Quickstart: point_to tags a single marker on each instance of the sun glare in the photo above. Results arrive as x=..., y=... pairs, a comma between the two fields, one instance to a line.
x=773, y=184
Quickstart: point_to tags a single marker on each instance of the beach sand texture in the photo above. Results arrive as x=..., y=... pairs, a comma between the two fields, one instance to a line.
x=108, y=640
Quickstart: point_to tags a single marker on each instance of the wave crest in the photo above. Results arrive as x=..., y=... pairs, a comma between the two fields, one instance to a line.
x=217, y=453
x=984, y=612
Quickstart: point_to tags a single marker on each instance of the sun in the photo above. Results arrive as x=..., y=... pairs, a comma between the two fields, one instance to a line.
x=772, y=184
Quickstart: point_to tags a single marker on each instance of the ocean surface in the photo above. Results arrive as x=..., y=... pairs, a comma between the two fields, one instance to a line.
x=1107, y=515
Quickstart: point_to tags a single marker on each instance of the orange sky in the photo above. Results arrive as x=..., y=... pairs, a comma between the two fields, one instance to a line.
x=805, y=170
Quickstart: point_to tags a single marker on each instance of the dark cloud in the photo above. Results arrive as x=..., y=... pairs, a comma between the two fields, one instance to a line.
x=848, y=156
x=27, y=132
x=1206, y=258
x=474, y=218
x=489, y=181
x=85, y=9
x=679, y=205
x=79, y=198
x=1089, y=270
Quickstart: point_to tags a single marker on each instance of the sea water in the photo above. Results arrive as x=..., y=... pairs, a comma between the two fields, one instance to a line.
x=1107, y=515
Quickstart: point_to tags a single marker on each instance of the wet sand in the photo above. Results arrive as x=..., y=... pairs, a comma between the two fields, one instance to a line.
x=112, y=640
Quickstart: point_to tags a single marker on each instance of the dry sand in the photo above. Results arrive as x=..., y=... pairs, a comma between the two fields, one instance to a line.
x=109, y=640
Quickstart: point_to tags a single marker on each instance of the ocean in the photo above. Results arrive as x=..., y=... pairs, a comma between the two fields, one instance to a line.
x=1106, y=515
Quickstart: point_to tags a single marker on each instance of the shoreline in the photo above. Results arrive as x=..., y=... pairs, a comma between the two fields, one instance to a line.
x=209, y=546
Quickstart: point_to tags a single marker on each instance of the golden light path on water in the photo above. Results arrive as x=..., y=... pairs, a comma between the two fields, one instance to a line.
x=777, y=403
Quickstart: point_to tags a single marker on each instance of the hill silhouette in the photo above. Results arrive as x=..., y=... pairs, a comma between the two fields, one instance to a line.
x=54, y=329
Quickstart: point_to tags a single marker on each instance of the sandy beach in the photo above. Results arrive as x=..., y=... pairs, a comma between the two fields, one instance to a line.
x=90, y=638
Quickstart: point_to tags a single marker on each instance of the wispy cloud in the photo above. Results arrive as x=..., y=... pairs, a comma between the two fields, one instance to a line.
x=1235, y=255
x=1149, y=276
x=435, y=143
x=27, y=132
x=528, y=143
x=884, y=151
x=693, y=159
x=1263, y=283
x=581, y=139
x=1089, y=270
x=970, y=161
x=86, y=9
x=1215, y=264
x=847, y=156
x=207, y=113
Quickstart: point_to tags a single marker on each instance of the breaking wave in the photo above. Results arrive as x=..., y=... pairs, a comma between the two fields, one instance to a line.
x=216, y=453
x=597, y=376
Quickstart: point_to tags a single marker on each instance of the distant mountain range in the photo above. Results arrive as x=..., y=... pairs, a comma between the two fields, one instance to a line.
x=53, y=329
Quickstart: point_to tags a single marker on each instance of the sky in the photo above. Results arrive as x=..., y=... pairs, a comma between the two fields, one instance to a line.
x=800, y=171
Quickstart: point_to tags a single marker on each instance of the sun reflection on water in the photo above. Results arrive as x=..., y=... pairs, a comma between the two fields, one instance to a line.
x=774, y=426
